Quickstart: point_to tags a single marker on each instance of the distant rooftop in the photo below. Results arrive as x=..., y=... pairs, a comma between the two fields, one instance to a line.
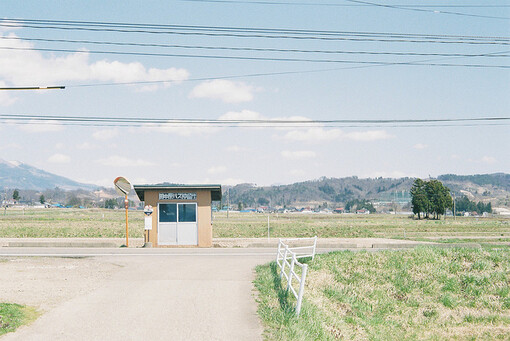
x=214, y=188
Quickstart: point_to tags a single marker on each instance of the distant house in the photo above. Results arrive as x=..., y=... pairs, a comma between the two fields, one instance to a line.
x=362, y=211
x=339, y=210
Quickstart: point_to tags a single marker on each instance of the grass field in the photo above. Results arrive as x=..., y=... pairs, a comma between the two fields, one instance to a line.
x=14, y=315
x=97, y=223
x=353, y=226
x=420, y=294
x=69, y=223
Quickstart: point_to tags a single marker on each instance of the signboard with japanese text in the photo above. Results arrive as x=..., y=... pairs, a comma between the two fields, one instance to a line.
x=177, y=196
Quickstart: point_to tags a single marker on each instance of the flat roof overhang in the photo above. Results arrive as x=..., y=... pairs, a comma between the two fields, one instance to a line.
x=215, y=189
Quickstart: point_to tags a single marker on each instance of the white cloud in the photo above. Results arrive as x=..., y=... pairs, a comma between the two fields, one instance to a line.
x=225, y=90
x=181, y=129
x=29, y=67
x=488, y=159
x=11, y=145
x=231, y=181
x=9, y=25
x=86, y=146
x=420, y=146
x=41, y=127
x=297, y=172
x=392, y=174
x=313, y=135
x=235, y=149
x=320, y=134
x=224, y=181
x=120, y=161
x=370, y=135
x=59, y=158
x=5, y=98
x=60, y=145
x=298, y=154
x=241, y=115
x=217, y=170
x=105, y=134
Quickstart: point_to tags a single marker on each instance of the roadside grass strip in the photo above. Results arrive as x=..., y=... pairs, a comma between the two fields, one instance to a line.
x=14, y=315
x=419, y=294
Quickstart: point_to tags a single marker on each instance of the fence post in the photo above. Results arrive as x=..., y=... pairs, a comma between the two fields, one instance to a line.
x=314, y=247
x=289, y=282
x=278, y=252
x=301, y=289
x=283, y=261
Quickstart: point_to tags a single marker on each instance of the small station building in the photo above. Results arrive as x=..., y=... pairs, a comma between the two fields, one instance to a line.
x=180, y=215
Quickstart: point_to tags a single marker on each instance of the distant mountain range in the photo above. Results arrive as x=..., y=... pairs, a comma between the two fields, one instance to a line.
x=14, y=174
x=481, y=187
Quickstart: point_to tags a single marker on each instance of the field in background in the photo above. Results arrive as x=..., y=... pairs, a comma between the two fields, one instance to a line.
x=420, y=294
x=353, y=226
x=103, y=223
x=69, y=223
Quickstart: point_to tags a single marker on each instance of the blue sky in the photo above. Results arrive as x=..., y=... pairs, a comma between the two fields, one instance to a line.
x=263, y=155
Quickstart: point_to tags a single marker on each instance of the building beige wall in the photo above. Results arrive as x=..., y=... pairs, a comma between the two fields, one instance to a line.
x=203, y=215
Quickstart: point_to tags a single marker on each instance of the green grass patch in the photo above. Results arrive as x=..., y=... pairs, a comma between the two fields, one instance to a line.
x=103, y=223
x=423, y=293
x=254, y=225
x=14, y=315
x=70, y=223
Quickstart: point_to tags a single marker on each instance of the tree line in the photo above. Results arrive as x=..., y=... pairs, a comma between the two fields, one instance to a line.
x=463, y=204
x=430, y=198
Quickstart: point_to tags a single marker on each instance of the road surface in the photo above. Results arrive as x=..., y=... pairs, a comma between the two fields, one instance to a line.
x=156, y=294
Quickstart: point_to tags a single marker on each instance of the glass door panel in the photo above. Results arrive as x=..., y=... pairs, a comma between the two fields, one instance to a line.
x=167, y=224
x=187, y=228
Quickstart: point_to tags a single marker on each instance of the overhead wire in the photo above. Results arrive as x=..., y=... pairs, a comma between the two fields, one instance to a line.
x=169, y=125
x=447, y=38
x=424, y=10
x=301, y=3
x=252, y=49
x=284, y=122
x=228, y=31
x=148, y=54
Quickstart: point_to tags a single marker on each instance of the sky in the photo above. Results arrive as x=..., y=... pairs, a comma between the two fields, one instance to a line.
x=284, y=89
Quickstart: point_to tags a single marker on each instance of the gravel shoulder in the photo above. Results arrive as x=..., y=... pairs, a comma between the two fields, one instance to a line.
x=45, y=282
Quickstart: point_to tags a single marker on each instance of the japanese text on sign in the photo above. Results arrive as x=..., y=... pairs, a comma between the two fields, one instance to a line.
x=177, y=196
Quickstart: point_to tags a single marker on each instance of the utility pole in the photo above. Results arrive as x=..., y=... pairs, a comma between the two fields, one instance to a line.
x=228, y=201
x=454, y=213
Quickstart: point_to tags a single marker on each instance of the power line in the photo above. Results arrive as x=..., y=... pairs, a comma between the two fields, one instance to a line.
x=253, y=49
x=342, y=5
x=163, y=126
x=36, y=88
x=283, y=122
x=274, y=59
x=426, y=10
x=244, y=32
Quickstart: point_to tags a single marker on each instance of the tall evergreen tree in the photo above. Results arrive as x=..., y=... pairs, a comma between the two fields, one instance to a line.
x=439, y=197
x=419, y=200
x=15, y=195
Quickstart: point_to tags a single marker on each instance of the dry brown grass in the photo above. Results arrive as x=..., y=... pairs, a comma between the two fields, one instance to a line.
x=425, y=293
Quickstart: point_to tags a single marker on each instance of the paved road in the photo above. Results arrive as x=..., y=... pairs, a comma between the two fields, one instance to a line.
x=257, y=252
x=177, y=294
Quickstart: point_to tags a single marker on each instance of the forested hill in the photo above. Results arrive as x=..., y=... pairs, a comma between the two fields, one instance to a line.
x=501, y=180
x=493, y=187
